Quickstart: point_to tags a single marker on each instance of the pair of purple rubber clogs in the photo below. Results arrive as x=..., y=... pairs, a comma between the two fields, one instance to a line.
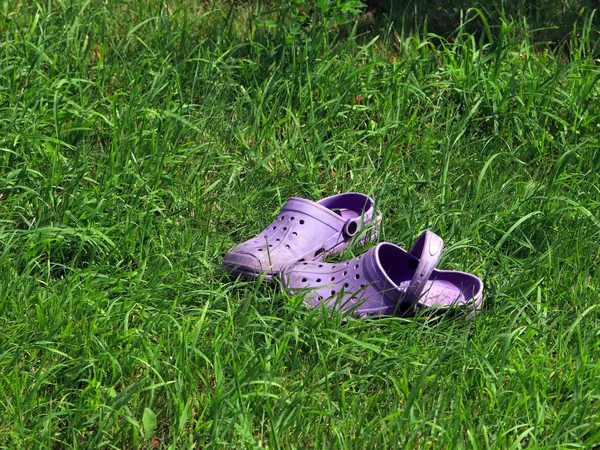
x=385, y=280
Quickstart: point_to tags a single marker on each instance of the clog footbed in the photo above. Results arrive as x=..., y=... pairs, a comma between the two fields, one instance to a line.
x=305, y=231
x=385, y=280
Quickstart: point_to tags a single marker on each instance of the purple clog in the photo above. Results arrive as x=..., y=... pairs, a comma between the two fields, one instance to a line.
x=306, y=231
x=386, y=280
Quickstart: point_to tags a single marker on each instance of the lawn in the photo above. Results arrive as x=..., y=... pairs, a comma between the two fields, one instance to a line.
x=140, y=140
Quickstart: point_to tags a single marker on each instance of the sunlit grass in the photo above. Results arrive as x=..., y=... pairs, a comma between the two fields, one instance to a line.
x=139, y=142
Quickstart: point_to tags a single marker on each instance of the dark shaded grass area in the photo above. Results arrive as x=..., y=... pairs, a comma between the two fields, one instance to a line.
x=547, y=22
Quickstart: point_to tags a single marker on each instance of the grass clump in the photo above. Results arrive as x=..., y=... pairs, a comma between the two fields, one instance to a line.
x=139, y=141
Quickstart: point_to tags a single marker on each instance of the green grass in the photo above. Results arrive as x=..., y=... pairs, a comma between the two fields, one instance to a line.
x=140, y=142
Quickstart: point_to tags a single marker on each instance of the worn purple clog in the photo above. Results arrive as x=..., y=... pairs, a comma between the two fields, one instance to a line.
x=306, y=231
x=386, y=280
